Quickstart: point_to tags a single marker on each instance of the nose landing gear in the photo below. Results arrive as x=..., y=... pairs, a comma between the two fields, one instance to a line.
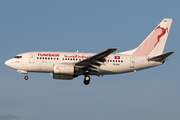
x=26, y=77
x=24, y=72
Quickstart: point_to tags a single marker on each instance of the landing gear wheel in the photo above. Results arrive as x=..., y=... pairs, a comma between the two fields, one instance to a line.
x=86, y=80
x=26, y=77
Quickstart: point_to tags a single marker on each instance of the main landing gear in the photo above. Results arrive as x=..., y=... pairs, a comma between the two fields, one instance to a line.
x=86, y=79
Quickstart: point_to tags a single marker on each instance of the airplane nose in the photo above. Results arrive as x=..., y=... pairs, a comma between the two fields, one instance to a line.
x=8, y=63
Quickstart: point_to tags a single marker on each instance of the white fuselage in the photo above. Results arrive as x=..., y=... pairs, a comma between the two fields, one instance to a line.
x=44, y=62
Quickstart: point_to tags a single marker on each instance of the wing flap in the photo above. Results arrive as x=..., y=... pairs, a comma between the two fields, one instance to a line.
x=94, y=69
x=95, y=66
x=101, y=63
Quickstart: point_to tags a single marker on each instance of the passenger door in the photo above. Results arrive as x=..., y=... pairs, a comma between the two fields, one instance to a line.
x=31, y=58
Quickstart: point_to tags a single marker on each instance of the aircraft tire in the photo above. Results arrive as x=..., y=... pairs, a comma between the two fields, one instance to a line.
x=26, y=77
x=86, y=80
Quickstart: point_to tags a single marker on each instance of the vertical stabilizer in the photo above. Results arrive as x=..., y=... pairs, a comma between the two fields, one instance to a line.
x=154, y=44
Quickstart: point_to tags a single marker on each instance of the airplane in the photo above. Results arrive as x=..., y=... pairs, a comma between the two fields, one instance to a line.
x=68, y=65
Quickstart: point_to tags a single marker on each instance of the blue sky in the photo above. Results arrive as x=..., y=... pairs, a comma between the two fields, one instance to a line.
x=87, y=26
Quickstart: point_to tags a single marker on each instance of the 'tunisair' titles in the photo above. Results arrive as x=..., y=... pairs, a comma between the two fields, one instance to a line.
x=47, y=55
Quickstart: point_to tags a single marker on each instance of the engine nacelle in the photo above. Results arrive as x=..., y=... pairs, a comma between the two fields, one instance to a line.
x=63, y=68
x=62, y=76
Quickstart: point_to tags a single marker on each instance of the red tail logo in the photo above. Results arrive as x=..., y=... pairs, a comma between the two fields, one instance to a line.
x=163, y=32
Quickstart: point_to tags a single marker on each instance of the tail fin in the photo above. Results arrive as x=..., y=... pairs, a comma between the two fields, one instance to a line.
x=154, y=44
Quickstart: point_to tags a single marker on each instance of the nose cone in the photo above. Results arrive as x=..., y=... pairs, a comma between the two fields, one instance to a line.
x=9, y=63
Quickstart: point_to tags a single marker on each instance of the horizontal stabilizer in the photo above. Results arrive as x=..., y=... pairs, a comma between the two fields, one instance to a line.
x=161, y=57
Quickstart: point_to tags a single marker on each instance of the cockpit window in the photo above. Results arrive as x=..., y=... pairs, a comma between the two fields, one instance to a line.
x=18, y=57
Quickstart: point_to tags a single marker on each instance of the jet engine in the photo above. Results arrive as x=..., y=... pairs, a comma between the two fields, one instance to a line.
x=65, y=71
x=63, y=68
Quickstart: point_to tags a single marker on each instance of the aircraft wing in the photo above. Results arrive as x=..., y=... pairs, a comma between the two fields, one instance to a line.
x=94, y=62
